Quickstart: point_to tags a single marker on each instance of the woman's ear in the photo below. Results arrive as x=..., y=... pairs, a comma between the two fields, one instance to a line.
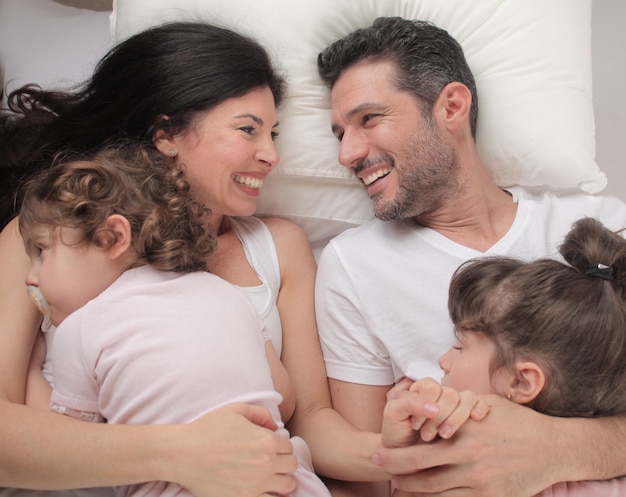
x=527, y=383
x=453, y=105
x=117, y=227
x=164, y=141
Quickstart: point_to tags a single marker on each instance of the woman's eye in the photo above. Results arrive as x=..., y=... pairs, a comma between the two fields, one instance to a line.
x=275, y=135
x=247, y=129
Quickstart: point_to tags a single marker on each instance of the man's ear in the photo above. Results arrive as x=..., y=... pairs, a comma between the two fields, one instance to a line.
x=527, y=383
x=453, y=105
x=117, y=227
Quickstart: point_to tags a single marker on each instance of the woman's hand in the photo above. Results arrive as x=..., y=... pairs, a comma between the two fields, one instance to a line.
x=236, y=452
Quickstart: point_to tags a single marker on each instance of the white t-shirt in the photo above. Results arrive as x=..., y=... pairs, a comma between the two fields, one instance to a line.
x=382, y=288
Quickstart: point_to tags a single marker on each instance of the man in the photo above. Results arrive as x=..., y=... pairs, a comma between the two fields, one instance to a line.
x=404, y=108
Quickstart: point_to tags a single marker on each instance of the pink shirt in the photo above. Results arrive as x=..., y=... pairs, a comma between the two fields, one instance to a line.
x=160, y=347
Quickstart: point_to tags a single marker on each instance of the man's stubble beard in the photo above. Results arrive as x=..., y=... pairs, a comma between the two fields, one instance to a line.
x=427, y=177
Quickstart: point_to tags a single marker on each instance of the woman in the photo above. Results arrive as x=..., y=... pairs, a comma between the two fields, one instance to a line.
x=205, y=97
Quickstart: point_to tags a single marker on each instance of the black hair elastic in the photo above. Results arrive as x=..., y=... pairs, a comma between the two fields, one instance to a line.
x=601, y=271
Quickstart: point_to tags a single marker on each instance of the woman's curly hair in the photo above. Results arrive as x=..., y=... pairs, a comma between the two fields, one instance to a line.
x=169, y=228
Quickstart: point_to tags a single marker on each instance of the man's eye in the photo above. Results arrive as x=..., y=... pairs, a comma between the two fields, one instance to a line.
x=368, y=117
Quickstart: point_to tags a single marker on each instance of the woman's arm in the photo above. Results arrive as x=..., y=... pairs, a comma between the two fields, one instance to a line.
x=38, y=390
x=339, y=450
x=19, y=318
x=229, y=452
x=222, y=454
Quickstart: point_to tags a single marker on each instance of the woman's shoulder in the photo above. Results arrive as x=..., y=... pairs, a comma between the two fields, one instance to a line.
x=10, y=238
x=285, y=233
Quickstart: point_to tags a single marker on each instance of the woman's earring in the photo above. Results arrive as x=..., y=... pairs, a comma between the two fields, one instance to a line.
x=172, y=152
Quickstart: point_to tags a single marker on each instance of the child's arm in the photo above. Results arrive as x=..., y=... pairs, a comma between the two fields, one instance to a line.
x=402, y=428
x=38, y=390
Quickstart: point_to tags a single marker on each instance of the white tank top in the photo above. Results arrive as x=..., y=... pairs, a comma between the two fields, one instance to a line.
x=261, y=253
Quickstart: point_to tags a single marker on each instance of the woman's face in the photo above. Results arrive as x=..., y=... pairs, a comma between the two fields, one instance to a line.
x=229, y=151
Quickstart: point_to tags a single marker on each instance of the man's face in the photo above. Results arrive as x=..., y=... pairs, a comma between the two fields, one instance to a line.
x=398, y=153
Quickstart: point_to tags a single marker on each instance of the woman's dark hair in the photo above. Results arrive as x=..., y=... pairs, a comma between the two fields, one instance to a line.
x=427, y=59
x=168, y=226
x=568, y=318
x=158, y=79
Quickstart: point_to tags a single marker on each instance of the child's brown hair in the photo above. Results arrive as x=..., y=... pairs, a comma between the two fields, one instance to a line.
x=169, y=228
x=568, y=318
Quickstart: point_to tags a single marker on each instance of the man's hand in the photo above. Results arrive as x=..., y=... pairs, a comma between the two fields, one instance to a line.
x=511, y=452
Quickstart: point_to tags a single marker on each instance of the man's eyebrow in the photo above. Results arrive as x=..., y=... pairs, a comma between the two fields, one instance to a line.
x=256, y=119
x=362, y=107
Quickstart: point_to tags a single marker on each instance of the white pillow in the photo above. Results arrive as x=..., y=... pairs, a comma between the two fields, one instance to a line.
x=531, y=60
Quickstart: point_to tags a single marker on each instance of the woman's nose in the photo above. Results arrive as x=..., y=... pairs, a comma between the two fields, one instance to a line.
x=268, y=154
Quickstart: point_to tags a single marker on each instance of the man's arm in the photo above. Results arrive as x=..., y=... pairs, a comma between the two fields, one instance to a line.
x=514, y=451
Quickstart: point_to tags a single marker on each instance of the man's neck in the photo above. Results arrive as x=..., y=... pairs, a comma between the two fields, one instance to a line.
x=476, y=220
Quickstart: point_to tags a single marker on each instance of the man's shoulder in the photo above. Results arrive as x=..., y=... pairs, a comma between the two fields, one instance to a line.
x=563, y=197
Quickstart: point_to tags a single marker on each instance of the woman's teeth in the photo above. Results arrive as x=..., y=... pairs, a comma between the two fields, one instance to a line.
x=248, y=181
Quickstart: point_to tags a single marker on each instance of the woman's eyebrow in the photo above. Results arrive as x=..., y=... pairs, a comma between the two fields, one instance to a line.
x=256, y=119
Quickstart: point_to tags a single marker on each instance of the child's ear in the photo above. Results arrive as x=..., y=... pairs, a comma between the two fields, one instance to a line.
x=528, y=382
x=118, y=227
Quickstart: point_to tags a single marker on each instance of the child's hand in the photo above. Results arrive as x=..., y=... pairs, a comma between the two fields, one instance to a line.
x=424, y=409
x=455, y=408
x=405, y=413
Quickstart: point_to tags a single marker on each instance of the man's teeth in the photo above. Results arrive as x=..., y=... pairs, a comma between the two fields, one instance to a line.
x=248, y=181
x=368, y=180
